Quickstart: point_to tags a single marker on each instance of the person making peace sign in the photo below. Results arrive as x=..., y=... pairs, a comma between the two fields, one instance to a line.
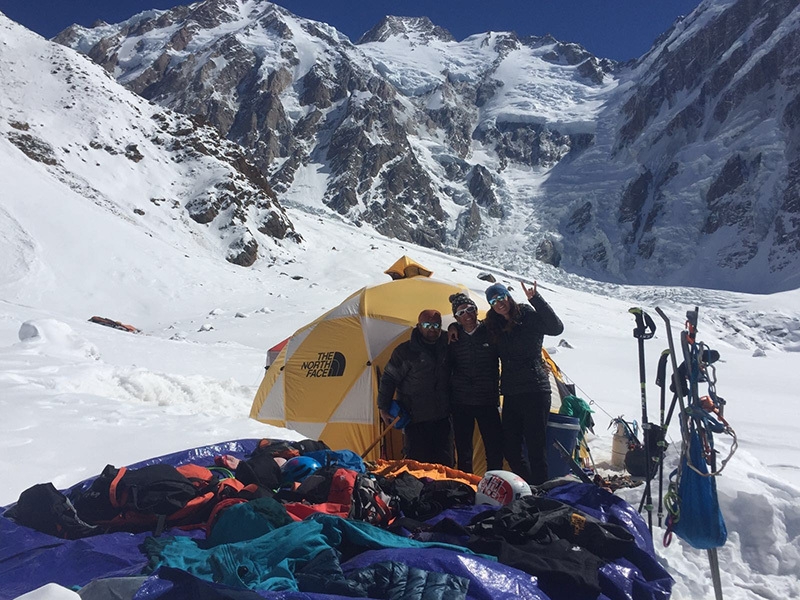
x=519, y=330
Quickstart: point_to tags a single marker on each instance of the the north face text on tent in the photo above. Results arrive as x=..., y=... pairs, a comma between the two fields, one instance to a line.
x=328, y=364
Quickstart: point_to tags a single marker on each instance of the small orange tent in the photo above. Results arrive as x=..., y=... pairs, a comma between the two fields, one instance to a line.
x=406, y=267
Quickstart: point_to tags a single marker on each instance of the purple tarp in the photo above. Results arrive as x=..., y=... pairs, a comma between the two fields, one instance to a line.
x=30, y=559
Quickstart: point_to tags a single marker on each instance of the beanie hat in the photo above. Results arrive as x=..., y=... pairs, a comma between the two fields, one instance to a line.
x=458, y=299
x=430, y=316
x=496, y=290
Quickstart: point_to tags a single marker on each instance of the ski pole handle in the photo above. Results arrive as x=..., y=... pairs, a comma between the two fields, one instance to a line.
x=645, y=327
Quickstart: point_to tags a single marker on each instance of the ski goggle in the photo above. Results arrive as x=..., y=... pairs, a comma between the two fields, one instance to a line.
x=498, y=298
x=463, y=311
x=430, y=325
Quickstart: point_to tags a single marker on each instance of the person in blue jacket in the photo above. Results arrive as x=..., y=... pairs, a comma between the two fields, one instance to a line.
x=519, y=330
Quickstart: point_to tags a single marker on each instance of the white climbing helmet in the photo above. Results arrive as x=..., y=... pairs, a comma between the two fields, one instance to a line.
x=499, y=488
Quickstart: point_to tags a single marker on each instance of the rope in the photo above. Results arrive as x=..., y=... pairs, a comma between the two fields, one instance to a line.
x=705, y=414
x=734, y=446
x=585, y=395
x=672, y=504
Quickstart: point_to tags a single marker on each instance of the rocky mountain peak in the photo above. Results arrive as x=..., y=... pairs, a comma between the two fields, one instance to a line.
x=501, y=42
x=618, y=172
x=420, y=28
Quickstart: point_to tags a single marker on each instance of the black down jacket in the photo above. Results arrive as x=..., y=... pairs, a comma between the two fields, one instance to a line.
x=474, y=377
x=419, y=372
x=521, y=348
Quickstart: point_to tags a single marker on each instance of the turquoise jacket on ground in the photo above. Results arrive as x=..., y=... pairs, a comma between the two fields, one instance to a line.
x=270, y=561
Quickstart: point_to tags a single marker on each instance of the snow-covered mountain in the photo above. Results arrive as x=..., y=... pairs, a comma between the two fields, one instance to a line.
x=383, y=132
x=170, y=186
x=91, y=225
x=693, y=176
x=679, y=168
x=71, y=123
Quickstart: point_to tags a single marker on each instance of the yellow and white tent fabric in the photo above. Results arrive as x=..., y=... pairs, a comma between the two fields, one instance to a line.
x=324, y=382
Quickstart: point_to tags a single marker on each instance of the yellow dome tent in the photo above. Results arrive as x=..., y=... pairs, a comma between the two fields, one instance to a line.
x=324, y=382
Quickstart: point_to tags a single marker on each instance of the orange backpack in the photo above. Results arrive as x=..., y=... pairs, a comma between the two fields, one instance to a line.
x=153, y=497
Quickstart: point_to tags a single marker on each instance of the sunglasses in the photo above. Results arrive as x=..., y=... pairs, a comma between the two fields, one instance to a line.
x=430, y=325
x=498, y=298
x=463, y=311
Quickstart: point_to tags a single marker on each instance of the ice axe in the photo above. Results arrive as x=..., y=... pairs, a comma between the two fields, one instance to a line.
x=377, y=441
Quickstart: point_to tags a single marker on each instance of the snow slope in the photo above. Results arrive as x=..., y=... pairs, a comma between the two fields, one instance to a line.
x=76, y=396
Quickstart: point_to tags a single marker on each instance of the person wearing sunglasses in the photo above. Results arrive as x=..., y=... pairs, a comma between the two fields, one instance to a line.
x=419, y=373
x=474, y=386
x=519, y=330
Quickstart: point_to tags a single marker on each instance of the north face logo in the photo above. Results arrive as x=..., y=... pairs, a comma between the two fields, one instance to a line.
x=328, y=364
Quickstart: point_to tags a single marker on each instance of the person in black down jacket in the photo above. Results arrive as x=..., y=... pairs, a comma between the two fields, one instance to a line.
x=474, y=386
x=419, y=372
x=519, y=330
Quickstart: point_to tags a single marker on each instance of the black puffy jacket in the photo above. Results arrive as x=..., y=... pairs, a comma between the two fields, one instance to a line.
x=419, y=372
x=474, y=375
x=523, y=369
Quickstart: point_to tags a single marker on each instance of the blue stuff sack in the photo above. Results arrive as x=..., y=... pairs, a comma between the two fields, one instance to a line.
x=700, y=523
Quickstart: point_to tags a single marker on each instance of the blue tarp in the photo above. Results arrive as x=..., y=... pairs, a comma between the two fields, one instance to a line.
x=30, y=559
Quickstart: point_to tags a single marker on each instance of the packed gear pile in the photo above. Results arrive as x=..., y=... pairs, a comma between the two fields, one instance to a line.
x=349, y=528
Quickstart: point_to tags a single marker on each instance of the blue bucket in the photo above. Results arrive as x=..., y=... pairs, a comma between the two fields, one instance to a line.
x=566, y=430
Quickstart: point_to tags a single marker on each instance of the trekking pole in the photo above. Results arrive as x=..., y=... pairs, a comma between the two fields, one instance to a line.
x=645, y=329
x=678, y=382
x=661, y=382
x=377, y=441
x=660, y=434
x=693, y=360
x=678, y=388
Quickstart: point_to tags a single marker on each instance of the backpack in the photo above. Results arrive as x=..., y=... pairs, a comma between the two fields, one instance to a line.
x=370, y=503
x=338, y=486
x=636, y=457
x=43, y=508
x=148, y=498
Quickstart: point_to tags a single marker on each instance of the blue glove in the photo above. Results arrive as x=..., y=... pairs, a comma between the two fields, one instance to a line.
x=394, y=410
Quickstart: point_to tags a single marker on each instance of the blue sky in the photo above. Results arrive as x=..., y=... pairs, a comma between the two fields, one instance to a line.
x=617, y=29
